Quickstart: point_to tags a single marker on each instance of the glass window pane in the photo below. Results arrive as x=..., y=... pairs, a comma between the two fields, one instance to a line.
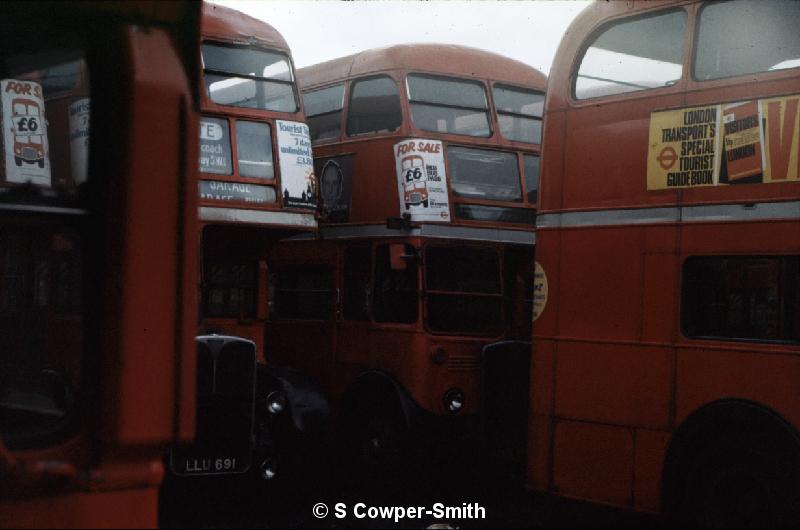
x=451, y=120
x=250, y=93
x=462, y=269
x=304, y=292
x=325, y=126
x=254, y=148
x=357, y=267
x=395, y=291
x=215, y=146
x=518, y=101
x=374, y=106
x=322, y=101
x=742, y=298
x=743, y=37
x=247, y=62
x=443, y=91
x=531, y=168
x=484, y=174
x=465, y=314
x=495, y=214
x=521, y=129
x=633, y=55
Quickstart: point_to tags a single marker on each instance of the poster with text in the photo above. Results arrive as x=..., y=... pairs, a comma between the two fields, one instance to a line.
x=745, y=142
x=683, y=148
x=298, y=183
x=79, y=140
x=27, y=152
x=742, y=132
x=421, y=180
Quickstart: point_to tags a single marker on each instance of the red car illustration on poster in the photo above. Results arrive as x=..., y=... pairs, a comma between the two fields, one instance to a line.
x=415, y=181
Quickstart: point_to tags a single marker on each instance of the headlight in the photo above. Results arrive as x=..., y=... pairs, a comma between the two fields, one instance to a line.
x=268, y=469
x=276, y=402
x=454, y=400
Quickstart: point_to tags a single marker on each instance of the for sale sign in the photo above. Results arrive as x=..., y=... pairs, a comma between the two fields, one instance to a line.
x=422, y=180
x=27, y=153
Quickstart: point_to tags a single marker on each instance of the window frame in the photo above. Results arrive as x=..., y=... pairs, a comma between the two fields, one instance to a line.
x=683, y=300
x=326, y=268
x=687, y=43
x=486, y=93
x=206, y=92
x=340, y=111
x=348, y=96
x=501, y=295
x=708, y=83
x=498, y=112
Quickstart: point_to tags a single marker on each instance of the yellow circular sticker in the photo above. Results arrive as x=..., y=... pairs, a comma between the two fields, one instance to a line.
x=539, y=290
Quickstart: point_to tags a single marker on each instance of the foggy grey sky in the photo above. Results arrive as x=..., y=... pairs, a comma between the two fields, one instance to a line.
x=316, y=31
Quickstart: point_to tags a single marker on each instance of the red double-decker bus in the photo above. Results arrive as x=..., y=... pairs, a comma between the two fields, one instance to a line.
x=256, y=185
x=666, y=350
x=97, y=258
x=428, y=159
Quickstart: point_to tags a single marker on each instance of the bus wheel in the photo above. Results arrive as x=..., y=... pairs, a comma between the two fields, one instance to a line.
x=741, y=481
x=17, y=161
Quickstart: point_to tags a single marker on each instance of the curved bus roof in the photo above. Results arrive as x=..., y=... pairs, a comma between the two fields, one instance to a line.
x=234, y=26
x=461, y=61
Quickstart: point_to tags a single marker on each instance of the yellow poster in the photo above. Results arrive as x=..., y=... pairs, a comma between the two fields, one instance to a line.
x=780, y=117
x=683, y=148
x=746, y=142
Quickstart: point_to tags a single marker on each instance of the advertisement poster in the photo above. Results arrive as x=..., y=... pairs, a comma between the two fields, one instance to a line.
x=215, y=146
x=297, y=165
x=236, y=192
x=79, y=140
x=746, y=142
x=27, y=152
x=683, y=148
x=335, y=175
x=742, y=133
x=539, y=290
x=421, y=180
x=780, y=133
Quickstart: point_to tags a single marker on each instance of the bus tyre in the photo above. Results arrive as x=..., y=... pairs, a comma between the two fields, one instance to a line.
x=742, y=480
x=17, y=161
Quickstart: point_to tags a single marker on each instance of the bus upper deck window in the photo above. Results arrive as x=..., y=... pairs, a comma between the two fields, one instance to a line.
x=446, y=105
x=633, y=55
x=519, y=113
x=374, y=106
x=324, y=111
x=249, y=78
x=254, y=149
x=744, y=37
